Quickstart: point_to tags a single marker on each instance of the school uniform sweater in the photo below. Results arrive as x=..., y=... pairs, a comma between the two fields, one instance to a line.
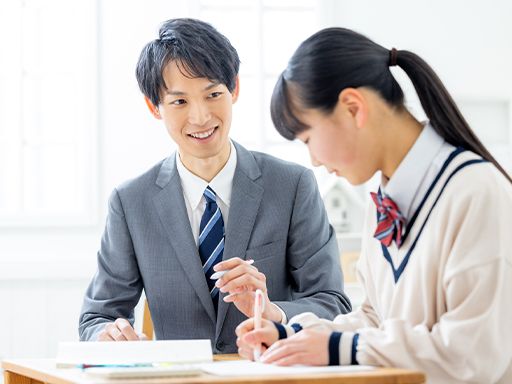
x=442, y=302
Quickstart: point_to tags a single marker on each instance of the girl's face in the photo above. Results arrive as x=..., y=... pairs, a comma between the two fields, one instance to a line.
x=340, y=142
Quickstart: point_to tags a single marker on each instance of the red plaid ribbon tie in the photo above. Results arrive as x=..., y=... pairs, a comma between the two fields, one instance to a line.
x=390, y=221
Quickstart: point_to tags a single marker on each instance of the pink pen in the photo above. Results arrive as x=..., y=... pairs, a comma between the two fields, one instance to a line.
x=258, y=310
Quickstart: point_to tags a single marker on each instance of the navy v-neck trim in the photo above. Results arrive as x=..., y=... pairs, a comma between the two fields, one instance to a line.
x=398, y=272
x=452, y=155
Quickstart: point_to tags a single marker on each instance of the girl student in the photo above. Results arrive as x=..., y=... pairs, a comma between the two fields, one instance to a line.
x=436, y=257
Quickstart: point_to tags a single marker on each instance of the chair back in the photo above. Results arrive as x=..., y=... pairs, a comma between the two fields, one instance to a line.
x=147, y=322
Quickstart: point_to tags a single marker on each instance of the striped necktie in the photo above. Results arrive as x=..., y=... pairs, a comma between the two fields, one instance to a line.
x=211, y=240
x=390, y=221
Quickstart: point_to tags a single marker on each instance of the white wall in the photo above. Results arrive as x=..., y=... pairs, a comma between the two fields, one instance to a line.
x=43, y=272
x=467, y=42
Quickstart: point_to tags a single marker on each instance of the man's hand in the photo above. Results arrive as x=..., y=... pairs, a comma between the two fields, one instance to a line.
x=241, y=281
x=120, y=330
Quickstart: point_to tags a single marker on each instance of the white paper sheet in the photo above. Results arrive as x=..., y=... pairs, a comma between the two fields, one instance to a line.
x=134, y=352
x=249, y=368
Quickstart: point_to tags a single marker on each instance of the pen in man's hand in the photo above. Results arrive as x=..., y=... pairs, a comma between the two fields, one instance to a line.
x=219, y=274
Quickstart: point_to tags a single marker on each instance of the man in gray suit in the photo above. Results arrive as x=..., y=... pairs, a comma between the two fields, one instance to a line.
x=211, y=206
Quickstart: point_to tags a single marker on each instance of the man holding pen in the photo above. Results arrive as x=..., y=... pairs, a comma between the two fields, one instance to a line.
x=211, y=206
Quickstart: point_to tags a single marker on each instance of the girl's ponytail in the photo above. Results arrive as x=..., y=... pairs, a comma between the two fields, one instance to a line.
x=440, y=108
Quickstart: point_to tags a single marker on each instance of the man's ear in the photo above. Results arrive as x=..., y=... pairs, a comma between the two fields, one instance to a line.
x=236, y=91
x=355, y=104
x=154, y=110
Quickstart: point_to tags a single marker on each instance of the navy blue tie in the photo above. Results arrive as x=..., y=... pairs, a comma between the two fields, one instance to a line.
x=211, y=240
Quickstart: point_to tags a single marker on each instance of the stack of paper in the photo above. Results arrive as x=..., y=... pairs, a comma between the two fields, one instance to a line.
x=81, y=354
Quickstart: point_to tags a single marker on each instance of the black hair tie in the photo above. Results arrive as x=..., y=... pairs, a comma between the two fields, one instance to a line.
x=392, y=57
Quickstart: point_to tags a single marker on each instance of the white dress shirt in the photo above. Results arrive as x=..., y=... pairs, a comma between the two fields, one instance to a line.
x=193, y=189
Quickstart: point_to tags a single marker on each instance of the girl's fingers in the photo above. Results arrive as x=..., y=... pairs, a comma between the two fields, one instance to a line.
x=246, y=353
x=293, y=358
x=244, y=327
x=276, y=352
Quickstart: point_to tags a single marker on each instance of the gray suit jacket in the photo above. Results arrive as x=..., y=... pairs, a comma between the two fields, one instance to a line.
x=276, y=217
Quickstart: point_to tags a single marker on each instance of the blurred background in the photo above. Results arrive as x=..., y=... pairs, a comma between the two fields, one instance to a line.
x=73, y=123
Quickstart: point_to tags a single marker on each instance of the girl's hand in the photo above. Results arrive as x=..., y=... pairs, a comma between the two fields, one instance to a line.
x=309, y=347
x=249, y=338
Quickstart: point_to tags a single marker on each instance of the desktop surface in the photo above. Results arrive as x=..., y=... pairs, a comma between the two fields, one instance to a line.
x=39, y=371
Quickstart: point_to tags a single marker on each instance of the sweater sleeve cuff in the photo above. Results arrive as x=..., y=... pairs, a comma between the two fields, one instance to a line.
x=343, y=348
x=281, y=330
x=285, y=331
x=334, y=348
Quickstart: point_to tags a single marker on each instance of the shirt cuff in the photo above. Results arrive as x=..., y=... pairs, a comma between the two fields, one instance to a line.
x=284, y=320
x=343, y=348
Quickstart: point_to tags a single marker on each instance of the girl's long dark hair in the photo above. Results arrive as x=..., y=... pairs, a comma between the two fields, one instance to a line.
x=336, y=58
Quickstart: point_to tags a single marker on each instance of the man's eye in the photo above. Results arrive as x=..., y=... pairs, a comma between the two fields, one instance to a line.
x=214, y=95
x=178, y=102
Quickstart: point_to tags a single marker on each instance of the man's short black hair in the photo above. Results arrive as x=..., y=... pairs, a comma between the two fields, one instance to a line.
x=198, y=49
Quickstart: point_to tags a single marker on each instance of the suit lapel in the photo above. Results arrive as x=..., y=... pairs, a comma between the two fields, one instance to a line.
x=246, y=197
x=170, y=205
